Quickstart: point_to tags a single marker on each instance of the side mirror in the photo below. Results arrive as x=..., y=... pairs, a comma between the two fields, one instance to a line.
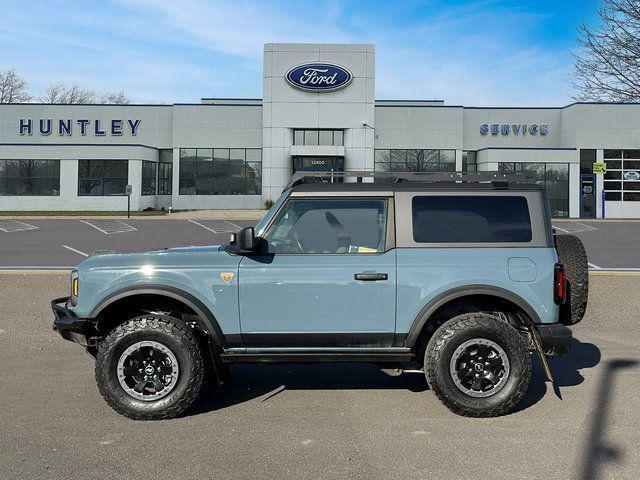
x=244, y=241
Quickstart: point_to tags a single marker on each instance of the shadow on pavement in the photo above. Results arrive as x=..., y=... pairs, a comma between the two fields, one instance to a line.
x=249, y=382
x=597, y=451
x=566, y=371
x=264, y=381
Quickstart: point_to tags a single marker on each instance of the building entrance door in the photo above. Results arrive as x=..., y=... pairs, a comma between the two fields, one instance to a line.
x=319, y=164
x=587, y=196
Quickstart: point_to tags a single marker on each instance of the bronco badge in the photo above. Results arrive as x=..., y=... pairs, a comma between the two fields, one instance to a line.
x=226, y=276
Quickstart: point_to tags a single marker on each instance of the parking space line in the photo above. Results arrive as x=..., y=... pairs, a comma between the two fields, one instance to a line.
x=203, y=226
x=74, y=250
x=585, y=228
x=109, y=227
x=594, y=267
x=10, y=226
x=217, y=226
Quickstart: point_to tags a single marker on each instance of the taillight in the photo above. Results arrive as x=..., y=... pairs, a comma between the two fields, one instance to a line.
x=559, y=283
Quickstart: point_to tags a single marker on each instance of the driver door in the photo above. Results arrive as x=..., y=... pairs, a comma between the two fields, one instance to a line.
x=326, y=278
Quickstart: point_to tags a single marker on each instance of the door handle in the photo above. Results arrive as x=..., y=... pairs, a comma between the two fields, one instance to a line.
x=370, y=277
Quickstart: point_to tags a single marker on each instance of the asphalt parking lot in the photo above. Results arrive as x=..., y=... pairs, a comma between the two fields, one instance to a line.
x=63, y=243
x=322, y=421
x=610, y=244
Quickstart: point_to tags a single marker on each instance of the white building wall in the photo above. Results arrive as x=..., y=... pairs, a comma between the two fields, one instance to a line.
x=419, y=126
x=215, y=125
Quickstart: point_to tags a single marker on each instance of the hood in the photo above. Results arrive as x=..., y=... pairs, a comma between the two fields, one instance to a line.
x=177, y=257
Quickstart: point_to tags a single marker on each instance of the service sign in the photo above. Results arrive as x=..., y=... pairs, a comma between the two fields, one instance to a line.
x=319, y=77
x=514, y=129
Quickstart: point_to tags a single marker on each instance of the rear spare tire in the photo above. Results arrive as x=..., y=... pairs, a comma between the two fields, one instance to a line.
x=572, y=254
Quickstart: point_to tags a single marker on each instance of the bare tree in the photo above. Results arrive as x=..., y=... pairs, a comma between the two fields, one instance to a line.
x=75, y=94
x=13, y=89
x=607, y=68
x=119, y=98
x=61, y=93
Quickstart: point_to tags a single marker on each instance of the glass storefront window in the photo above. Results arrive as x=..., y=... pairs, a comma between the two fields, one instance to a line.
x=325, y=137
x=102, y=177
x=30, y=177
x=220, y=171
x=415, y=160
x=165, y=172
x=149, y=172
x=165, y=178
x=553, y=176
x=587, y=159
x=318, y=137
x=469, y=161
x=622, y=180
x=311, y=137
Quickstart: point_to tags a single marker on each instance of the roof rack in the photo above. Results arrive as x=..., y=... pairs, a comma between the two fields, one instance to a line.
x=432, y=177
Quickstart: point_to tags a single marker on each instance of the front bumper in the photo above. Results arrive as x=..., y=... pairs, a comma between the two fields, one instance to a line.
x=555, y=338
x=70, y=327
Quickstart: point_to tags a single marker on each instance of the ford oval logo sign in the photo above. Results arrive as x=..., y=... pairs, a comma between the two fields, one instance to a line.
x=319, y=77
x=631, y=175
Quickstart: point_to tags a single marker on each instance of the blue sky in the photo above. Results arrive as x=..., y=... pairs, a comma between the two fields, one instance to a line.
x=473, y=53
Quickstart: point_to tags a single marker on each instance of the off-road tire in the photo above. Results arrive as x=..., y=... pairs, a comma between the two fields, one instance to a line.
x=169, y=331
x=449, y=337
x=571, y=252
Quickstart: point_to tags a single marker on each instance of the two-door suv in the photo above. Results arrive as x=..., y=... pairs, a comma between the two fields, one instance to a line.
x=462, y=274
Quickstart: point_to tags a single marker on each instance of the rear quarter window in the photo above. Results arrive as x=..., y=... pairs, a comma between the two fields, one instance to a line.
x=471, y=219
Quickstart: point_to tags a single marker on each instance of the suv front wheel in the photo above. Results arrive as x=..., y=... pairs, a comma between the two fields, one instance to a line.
x=478, y=365
x=150, y=367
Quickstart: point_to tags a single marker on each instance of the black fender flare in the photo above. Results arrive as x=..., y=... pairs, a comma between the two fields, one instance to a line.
x=209, y=322
x=464, y=291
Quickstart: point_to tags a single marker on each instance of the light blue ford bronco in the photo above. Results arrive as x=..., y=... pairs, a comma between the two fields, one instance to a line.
x=462, y=274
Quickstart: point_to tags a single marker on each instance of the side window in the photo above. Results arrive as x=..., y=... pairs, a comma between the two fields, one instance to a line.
x=470, y=219
x=334, y=226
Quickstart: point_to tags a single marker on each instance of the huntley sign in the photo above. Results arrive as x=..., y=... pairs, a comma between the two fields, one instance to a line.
x=319, y=77
x=67, y=127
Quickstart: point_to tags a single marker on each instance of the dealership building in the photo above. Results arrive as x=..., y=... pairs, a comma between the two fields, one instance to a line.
x=318, y=112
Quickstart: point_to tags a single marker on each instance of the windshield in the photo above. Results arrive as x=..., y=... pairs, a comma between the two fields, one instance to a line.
x=259, y=228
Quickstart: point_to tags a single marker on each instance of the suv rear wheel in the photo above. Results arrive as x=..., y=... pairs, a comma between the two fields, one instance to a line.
x=477, y=365
x=150, y=367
